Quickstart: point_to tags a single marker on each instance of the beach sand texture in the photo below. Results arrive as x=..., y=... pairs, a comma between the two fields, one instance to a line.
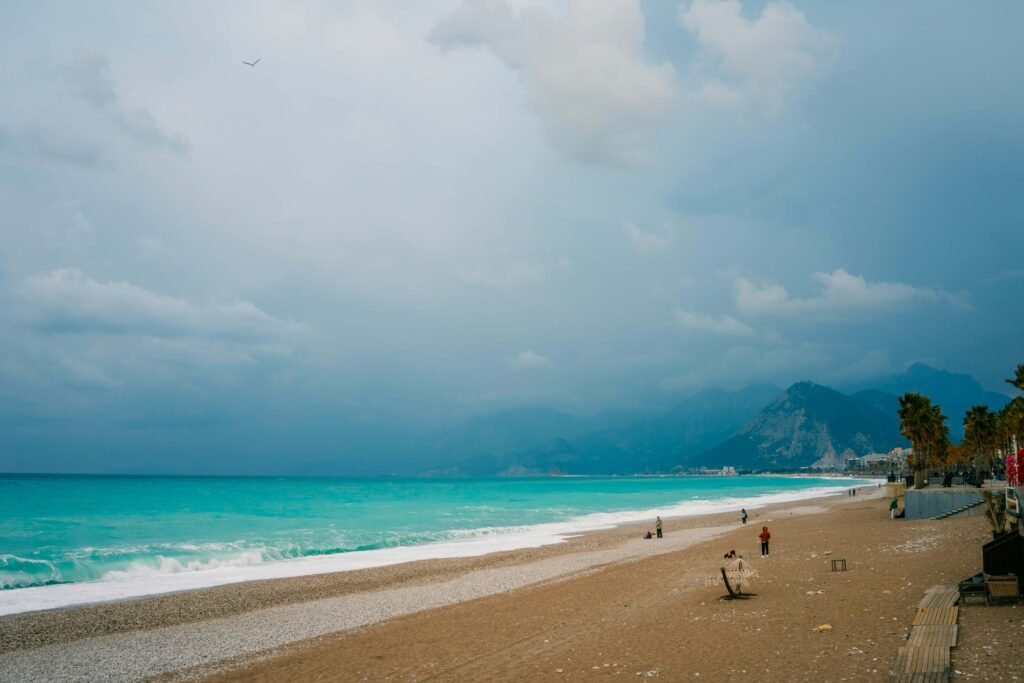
x=606, y=605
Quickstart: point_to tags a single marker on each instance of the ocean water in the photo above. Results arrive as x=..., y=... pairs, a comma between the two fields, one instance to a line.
x=74, y=539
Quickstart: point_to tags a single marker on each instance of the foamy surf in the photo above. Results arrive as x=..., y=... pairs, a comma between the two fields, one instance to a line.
x=171, y=576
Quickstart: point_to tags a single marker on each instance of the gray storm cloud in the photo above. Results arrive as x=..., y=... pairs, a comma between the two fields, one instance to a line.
x=412, y=213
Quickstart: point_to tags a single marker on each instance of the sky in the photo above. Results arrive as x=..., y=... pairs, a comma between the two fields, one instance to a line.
x=407, y=213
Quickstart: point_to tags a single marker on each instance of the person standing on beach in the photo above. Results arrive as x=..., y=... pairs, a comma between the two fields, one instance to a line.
x=657, y=525
x=743, y=515
x=764, y=536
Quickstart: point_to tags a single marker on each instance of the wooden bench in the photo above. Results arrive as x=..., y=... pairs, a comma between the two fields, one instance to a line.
x=1002, y=588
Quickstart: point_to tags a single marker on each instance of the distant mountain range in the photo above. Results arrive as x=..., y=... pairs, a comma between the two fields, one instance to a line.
x=648, y=445
x=955, y=392
x=810, y=425
x=758, y=427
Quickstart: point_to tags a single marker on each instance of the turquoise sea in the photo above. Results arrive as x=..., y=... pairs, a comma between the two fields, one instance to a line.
x=68, y=539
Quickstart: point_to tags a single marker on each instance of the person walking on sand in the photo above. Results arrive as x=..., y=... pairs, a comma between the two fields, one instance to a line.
x=764, y=536
x=892, y=508
x=657, y=525
x=743, y=515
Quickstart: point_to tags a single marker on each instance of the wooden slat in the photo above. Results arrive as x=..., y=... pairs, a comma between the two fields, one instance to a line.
x=925, y=657
x=919, y=659
x=936, y=615
x=937, y=635
x=941, y=596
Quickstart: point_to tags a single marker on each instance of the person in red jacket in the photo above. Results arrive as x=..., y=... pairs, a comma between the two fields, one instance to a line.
x=764, y=536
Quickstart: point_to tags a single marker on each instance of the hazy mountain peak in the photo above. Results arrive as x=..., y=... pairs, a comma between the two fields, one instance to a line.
x=954, y=392
x=809, y=424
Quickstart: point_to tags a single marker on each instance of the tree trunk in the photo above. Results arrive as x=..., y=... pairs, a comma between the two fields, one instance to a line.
x=920, y=479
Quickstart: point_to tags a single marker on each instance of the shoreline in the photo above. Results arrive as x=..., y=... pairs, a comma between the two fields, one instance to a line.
x=660, y=617
x=35, y=599
x=265, y=616
x=31, y=629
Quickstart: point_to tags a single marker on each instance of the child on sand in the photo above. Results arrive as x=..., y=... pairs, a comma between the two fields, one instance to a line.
x=764, y=536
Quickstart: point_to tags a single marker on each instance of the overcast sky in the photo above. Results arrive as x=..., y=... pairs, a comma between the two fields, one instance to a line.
x=409, y=212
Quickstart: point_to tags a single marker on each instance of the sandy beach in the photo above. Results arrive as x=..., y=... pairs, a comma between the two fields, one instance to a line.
x=605, y=605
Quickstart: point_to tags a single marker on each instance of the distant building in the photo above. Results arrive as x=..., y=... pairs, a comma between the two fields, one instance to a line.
x=875, y=461
x=900, y=456
x=726, y=471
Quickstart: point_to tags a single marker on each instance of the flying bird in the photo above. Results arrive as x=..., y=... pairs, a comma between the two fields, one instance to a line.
x=252, y=63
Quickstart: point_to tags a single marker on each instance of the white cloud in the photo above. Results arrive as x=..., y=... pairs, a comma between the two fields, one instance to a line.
x=582, y=71
x=88, y=77
x=718, y=94
x=841, y=291
x=284, y=22
x=64, y=227
x=723, y=325
x=527, y=360
x=759, y=62
x=366, y=38
x=152, y=248
x=740, y=365
x=646, y=241
x=83, y=334
x=517, y=274
x=68, y=301
x=56, y=144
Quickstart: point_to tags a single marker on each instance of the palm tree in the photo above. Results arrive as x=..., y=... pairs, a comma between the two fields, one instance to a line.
x=1018, y=379
x=1010, y=424
x=912, y=410
x=980, y=436
x=925, y=426
x=1014, y=410
x=938, y=436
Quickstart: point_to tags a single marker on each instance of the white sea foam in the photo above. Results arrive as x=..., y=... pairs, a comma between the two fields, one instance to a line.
x=14, y=571
x=172, y=576
x=170, y=565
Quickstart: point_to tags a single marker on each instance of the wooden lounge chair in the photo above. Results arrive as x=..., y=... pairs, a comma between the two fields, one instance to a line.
x=1002, y=588
x=973, y=587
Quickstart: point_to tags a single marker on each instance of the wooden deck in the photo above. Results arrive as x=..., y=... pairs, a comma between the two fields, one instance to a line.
x=929, y=616
x=925, y=657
